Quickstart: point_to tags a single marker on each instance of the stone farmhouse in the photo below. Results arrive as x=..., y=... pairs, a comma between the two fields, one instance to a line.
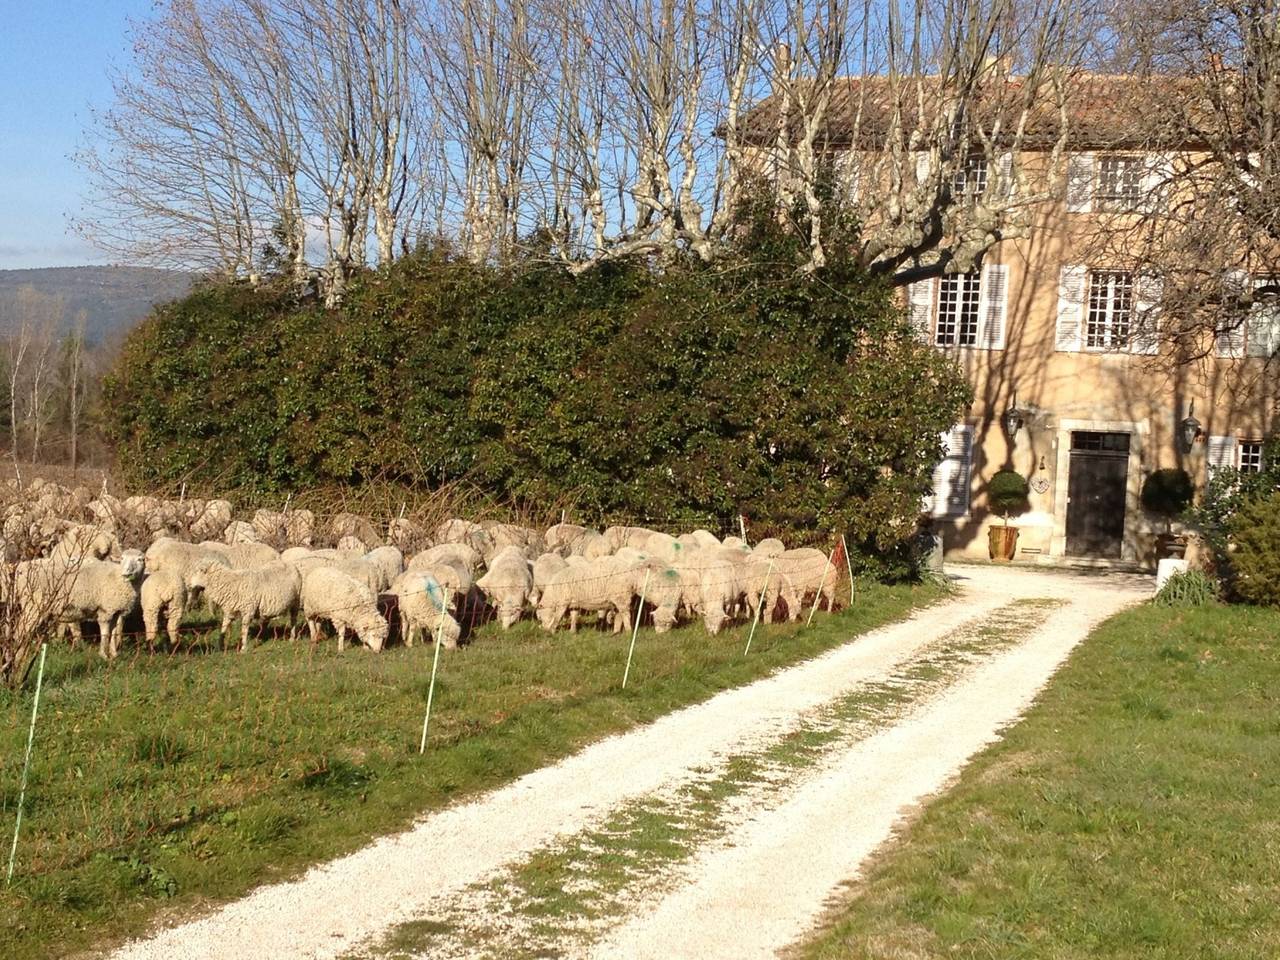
x=1061, y=341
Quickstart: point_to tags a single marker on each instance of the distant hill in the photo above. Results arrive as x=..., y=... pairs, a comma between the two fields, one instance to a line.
x=113, y=298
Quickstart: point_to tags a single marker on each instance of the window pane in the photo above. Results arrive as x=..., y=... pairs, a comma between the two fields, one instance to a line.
x=958, y=309
x=1251, y=456
x=1107, y=326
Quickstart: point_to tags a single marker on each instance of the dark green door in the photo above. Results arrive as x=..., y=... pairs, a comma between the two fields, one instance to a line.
x=1096, y=494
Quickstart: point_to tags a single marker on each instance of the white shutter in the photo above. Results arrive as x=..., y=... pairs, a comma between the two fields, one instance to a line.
x=1080, y=182
x=1229, y=342
x=952, y=475
x=1263, y=325
x=1071, y=284
x=993, y=298
x=1147, y=293
x=920, y=307
x=924, y=165
x=1157, y=173
x=848, y=173
x=1221, y=453
x=1008, y=187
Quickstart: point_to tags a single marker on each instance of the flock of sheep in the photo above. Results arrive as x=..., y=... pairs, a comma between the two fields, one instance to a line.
x=73, y=557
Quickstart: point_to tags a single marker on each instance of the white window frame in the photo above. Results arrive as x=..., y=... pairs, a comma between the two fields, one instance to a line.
x=1249, y=455
x=1119, y=183
x=970, y=180
x=958, y=306
x=1105, y=312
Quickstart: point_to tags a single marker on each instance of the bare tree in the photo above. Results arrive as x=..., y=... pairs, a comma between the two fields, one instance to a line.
x=29, y=326
x=1205, y=111
x=602, y=128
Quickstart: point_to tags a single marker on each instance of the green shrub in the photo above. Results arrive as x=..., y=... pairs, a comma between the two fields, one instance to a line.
x=1167, y=492
x=1225, y=493
x=1007, y=493
x=1188, y=588
x=665, y=396
x=1255, y=553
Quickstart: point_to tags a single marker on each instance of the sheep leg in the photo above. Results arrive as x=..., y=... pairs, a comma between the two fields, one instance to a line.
x=313, y=628
x=151, y=626
x=224, y=631
x=104, y=638
x=77, y=637
x=342, y=638
x=117, y=634
x=573, y=620
x=174, y=623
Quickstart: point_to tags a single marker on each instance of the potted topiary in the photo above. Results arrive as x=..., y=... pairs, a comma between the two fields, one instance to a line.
x=1167, y=493
x=1007, y=495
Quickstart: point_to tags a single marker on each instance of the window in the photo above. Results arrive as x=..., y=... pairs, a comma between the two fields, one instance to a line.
x=1100, y=442
x=958, y=295
x=1119, y=183
x=1262, y=329
x=1110, y=310
x=1256, y=333
x=970, y=181
x=1250, y=452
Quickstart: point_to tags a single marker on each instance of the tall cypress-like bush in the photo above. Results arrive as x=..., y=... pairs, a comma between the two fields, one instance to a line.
x=675, y=391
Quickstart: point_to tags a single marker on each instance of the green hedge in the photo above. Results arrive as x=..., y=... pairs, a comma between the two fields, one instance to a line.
x=631, y=390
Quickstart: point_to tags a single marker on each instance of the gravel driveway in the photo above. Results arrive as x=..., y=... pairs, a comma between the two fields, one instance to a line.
x=765, y=798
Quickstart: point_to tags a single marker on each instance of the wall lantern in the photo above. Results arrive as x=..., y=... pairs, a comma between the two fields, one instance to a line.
x=1190, y=428
x=1012, y=419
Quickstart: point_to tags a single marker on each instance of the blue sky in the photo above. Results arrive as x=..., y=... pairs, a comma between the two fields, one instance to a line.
x=54, y=61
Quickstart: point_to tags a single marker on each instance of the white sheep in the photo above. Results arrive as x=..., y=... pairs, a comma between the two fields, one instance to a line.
x=353, y=545
x=563, y=535
x=765, y=582
x=812, y=574
x=290, y=527
x=543, y=567
x=769, y=547
x=717, y=593
x=99, y=590
x=705, y=539
x=462, y=554
x=258, y=593
x=407, y=535
x=465, y=532
x=422, y=602
x=329, y=594
x=507, y=584
x=211, y=521
x=163, y=591
x=183, y=558
x=84, y=540
x=238, y=531
x=455, y=580
x=350, y=525
x=387, y=560
x=607, y=584
x=661, y=586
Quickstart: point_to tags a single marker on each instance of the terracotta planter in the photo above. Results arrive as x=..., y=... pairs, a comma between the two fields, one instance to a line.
x=1002, y=541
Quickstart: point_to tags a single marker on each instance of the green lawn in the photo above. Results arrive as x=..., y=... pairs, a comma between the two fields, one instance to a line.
x=163, y=783
x=1134, y=813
